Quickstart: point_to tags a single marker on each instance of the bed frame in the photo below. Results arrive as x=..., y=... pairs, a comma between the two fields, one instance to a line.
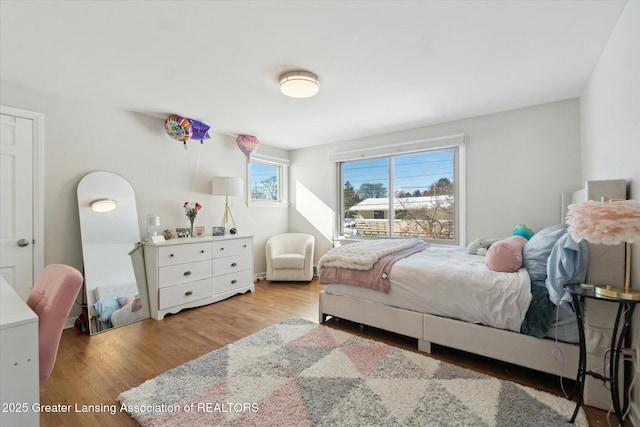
x=546, y=355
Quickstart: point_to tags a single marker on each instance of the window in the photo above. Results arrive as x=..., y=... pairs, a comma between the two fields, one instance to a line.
x=267, y=180
x=417, y=192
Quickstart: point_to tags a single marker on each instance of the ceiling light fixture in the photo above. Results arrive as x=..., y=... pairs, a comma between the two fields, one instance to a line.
x=103, y=205
x=299, y=84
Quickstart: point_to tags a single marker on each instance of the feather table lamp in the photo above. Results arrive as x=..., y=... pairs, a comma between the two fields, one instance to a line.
x=608, y=223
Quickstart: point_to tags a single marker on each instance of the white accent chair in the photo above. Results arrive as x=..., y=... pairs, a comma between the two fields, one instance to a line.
x=290, y=257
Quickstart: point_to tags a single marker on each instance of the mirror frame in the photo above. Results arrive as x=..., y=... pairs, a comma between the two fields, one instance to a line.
x=111, y=248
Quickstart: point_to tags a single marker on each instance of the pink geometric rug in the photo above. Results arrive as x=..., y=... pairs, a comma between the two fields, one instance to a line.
x=298, y=373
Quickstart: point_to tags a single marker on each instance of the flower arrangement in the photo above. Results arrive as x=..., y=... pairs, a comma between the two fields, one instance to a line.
x=191, y=210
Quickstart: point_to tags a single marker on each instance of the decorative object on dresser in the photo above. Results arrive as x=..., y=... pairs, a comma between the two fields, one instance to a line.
x=191, y=209
x=228, y=187
x=199, y=231
x=299, y=373
x=186, y=273
x=153, y=222
x=608, y=222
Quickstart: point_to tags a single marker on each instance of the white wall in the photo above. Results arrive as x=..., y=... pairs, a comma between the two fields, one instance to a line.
x=610, y=117
x=81, y=137
x=518, y=164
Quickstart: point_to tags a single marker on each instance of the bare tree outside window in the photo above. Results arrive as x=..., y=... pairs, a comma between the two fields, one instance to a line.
x=265, y=183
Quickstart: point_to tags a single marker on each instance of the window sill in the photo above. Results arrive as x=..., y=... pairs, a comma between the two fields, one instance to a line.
x=268, y=205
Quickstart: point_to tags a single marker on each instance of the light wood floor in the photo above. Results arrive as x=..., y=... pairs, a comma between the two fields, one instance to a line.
x=95, y=370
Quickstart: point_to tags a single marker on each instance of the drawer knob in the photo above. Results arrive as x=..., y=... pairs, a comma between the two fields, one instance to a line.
x=233, y=264
x=233, y=282
x=222, y=249
x=188, y=293
x=187, y=273
x=171, y=256
x=244, y=246
x=202, y=251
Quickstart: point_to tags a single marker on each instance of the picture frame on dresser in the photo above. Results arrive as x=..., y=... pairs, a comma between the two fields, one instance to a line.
x=190, y=272
x=182, y=232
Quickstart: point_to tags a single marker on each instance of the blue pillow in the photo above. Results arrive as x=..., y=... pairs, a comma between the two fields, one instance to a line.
x=105, y=308
x=537, y=250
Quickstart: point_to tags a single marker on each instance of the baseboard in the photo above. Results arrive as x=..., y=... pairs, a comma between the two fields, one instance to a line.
x=70, y=323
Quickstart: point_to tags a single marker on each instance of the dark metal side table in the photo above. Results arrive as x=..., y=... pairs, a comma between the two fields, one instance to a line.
x=625, y=311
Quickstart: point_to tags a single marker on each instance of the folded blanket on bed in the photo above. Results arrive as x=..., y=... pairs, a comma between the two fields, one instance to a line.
x=376, y=278
x=362, y=255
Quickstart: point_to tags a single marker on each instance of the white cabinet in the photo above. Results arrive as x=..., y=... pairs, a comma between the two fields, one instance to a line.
x=185, y=273
x=19, y=360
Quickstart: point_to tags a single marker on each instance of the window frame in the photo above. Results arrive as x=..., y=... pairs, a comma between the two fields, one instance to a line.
x=283, y=181
x=453, y=142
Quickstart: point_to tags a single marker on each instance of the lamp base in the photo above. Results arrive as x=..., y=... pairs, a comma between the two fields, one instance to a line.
x=618, y=292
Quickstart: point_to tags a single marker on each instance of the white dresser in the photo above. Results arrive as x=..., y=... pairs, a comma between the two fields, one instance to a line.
x=191, y=272
x=19, y=361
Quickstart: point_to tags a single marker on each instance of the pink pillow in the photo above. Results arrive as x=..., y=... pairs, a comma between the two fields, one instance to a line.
x=506, y=255
x=137, y=305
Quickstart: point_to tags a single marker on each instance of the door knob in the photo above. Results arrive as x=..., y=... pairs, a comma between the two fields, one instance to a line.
x=23, y=242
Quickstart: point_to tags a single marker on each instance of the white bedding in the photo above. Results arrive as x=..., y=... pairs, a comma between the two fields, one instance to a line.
x=447, y=281
x=126, y=314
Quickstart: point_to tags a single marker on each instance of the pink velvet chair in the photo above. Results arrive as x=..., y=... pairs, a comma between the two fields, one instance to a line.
x=51, y=299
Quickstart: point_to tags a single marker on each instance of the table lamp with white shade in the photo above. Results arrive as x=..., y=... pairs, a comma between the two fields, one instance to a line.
x=228, y=187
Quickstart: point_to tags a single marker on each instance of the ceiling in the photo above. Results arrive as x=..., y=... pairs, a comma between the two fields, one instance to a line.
x=383, y=66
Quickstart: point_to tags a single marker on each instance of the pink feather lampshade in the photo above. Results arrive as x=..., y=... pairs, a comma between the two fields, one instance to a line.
x=608, y=223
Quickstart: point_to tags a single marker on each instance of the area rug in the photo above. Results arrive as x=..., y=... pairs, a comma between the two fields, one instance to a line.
x=298, y=373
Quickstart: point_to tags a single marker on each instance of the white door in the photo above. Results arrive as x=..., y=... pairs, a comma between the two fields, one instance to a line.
x=16, y=203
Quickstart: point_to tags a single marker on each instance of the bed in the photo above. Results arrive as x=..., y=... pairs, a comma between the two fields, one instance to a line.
x=116, y=305
x=488, y=326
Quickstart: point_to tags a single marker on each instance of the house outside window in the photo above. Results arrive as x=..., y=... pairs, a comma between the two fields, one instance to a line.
x=413, y=194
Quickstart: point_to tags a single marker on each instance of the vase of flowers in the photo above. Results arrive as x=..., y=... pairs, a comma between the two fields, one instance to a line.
x=191, y=210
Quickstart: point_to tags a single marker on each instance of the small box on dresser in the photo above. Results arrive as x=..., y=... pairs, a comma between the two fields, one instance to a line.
x=192, y=272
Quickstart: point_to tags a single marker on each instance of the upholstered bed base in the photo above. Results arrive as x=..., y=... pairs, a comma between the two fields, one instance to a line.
x=557, y=358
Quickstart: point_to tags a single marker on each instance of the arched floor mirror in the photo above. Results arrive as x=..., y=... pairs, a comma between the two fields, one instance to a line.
x=115, y=280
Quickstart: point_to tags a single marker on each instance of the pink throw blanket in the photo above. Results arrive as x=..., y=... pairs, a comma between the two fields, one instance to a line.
x=376, y=278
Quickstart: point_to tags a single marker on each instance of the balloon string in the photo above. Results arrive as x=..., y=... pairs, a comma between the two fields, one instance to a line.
x=195, y=172
x=187, y=179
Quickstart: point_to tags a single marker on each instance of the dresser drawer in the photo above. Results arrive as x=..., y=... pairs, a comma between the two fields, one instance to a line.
x=183, y=273
x=224, y=248
x=230, y=264
x=186, y=292
x=234, y=280
x=177, y=254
